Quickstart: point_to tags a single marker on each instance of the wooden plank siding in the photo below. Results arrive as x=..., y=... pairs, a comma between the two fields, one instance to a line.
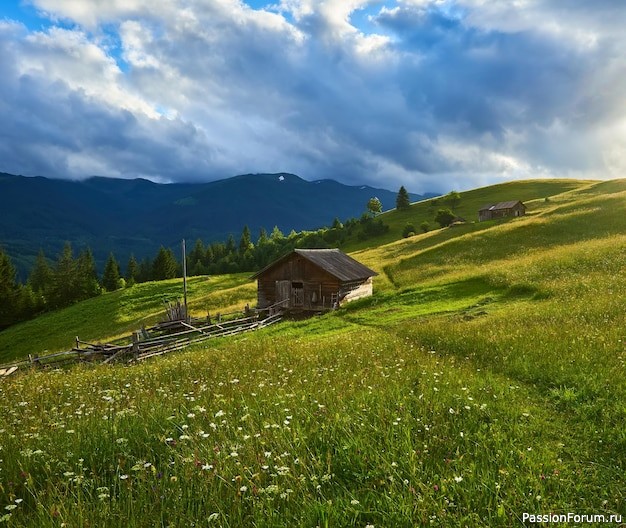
x=300, y=282
x=501, y=210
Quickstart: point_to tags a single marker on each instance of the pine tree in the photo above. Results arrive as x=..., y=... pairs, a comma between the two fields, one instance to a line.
x=403, y=201
x=230, y=244
x=145, y=271
x=262, y=240
x=209, y=256
x=196, y=269
x=87, y=285
x=132, y=271
x=276, y=235
x=64, y=283
x=165, y=265
x=111, y=275
x=196, y=254
x=453, y=198
x=9, y=291
x=40, y=278
x=245, y=241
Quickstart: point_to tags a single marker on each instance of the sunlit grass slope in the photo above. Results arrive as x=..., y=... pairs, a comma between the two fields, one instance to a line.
x=121, y=312
x=485, y=379
x=532, y=192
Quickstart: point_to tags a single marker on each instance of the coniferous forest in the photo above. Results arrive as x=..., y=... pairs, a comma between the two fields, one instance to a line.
x=70, y=278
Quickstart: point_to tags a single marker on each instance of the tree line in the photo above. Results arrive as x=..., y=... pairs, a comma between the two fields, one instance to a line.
x=56, y=284
x=444, y=216
x=69, y=280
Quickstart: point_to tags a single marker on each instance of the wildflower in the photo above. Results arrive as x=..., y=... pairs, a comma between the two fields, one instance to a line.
x=213, y=516
x=243, y=489
x=17, y=501
x=219, y=413
x=458, y=479
x=354, y=502
x=123, y=477
x=10, y=507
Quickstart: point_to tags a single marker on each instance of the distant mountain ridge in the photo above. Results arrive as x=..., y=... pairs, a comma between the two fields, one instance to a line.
x=137, y=216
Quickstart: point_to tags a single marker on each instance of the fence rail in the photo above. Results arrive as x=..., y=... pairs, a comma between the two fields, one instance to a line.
x=163, y=338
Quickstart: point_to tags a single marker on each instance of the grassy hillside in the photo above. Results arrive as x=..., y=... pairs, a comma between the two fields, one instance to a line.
x=532, y=192
x=121, y=312
x=484, y=380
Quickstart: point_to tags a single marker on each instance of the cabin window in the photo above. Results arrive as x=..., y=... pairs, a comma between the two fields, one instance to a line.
x=297, y=285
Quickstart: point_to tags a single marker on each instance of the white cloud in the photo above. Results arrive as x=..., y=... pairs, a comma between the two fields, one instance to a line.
x=430, y=93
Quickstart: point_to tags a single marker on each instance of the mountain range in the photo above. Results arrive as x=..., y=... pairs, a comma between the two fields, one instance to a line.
x=137, y=216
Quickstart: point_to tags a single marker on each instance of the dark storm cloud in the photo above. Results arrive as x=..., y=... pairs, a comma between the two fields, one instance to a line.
x=440, y=95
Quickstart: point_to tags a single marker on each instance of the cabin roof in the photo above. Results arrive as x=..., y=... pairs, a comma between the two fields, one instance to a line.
x=501, y=205
x=334, y=261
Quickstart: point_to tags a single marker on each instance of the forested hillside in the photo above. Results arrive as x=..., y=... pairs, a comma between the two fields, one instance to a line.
x=138, y=216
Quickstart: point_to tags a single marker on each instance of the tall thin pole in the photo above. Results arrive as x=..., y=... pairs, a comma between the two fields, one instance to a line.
x=185, y=280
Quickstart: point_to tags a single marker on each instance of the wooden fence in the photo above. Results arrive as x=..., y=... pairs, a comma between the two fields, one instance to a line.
x=165, y=337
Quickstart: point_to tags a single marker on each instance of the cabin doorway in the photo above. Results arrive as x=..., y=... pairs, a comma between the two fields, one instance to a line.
x=283, y=293
x=297, y=292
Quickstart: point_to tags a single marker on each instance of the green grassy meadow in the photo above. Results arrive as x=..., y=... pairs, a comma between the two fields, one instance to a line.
x=485, y=379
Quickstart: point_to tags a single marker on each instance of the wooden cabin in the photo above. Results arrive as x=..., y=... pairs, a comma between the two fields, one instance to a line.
x=501, y=210
x=312, y=280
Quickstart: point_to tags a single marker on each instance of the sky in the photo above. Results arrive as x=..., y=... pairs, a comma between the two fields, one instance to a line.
x=434, y=95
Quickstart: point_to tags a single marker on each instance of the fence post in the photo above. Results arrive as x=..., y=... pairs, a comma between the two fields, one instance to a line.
x=135, y=344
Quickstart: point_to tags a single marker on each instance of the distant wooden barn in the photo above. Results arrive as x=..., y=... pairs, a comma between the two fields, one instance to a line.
x=312, y=280
x=501, y=210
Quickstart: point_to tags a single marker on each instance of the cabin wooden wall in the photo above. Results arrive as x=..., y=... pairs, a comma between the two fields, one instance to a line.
x=518, y=210
x=297, y=269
